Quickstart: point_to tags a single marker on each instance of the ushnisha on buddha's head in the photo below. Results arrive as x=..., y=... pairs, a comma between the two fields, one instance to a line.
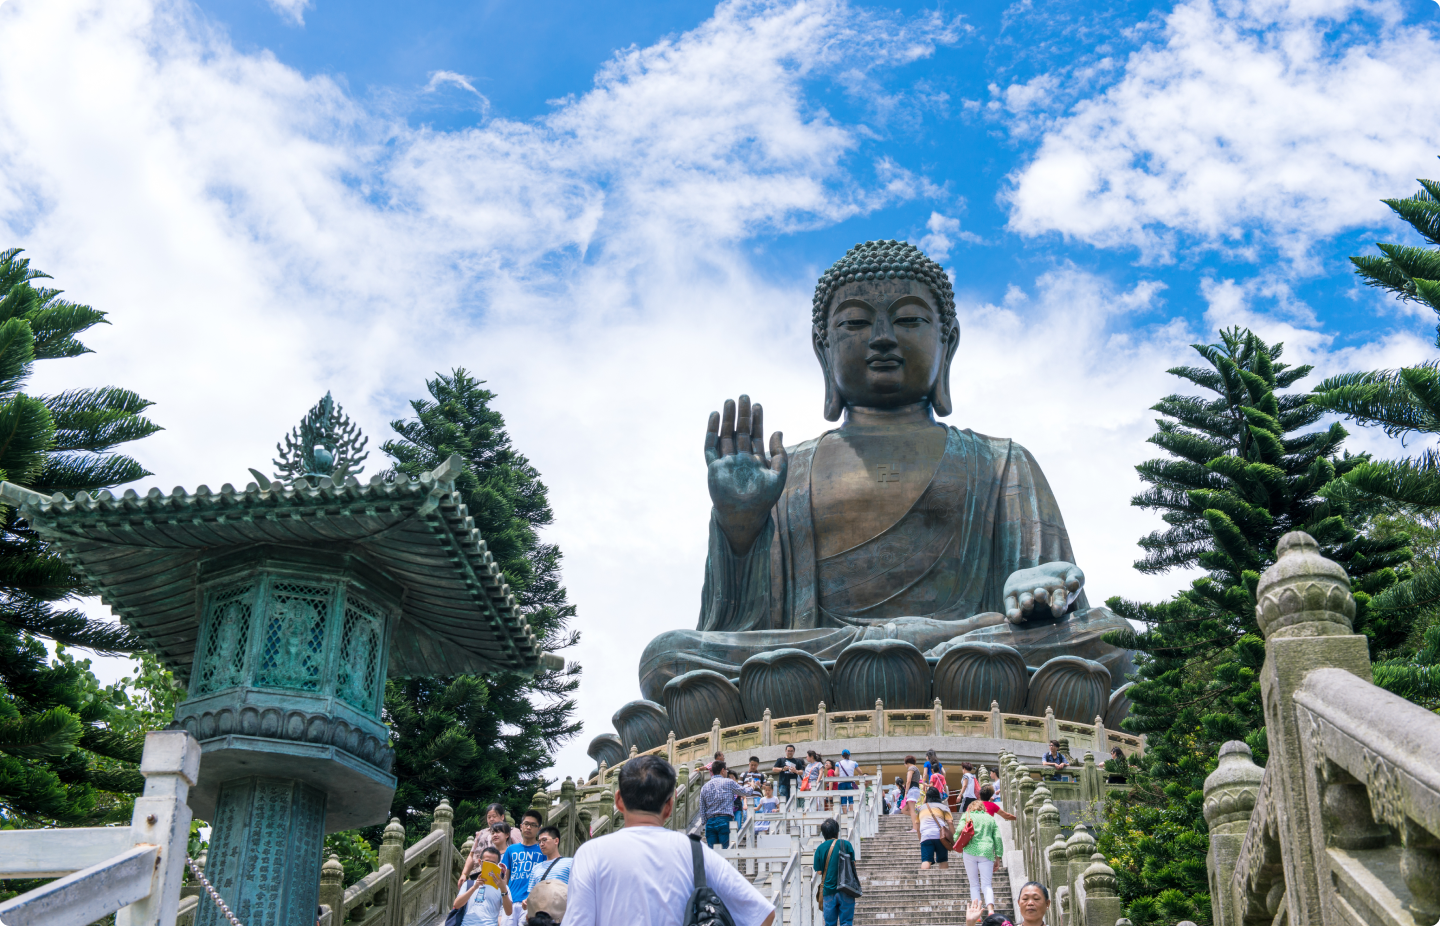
x=884, y=329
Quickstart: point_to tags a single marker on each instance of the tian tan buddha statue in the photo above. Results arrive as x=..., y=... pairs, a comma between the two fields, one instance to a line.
x=893, y=557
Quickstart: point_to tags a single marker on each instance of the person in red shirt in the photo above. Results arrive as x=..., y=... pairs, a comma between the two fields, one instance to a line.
x=992, y=808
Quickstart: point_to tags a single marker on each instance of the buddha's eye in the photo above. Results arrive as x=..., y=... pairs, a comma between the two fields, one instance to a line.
x=853, y=324
x=912, y=321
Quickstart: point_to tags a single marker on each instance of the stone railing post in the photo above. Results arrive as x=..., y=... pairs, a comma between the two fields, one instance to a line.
x=879, y=717
x=569, y=841
x=997, y=722
x=392, y=853
x=767, y=729
x=1230, y=794
x=332, y=889
x=1039, y=797
x=1078, y=849
x=1052, y=728
x=821, y=726
x=714, y=736
x=1304, y=610
x=1046, y=829
x=937, y=715
x=1054, y=865
x=1088, y=791
x=444, y=820
x=670, y=748
x=1102, y=741
x=1102, y=892
x=170, y=764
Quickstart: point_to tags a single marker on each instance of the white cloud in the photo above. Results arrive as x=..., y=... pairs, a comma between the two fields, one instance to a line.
x=259, y=237
x=292, y=10
x=942, y=233
x=1286, y=118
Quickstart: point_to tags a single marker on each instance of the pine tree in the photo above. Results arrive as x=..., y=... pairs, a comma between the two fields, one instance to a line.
x=1241, y=471
x=475, y=740
x=65, y=753
x=1406, y=404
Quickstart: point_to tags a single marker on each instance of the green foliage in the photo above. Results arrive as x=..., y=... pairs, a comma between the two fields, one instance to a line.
x=68, y=749
x=1411, y=273
x=1241, y=471
x=355, y=853
x=480, y=740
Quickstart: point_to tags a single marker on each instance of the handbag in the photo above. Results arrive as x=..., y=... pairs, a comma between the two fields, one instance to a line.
x=967, y=833
x=454, y=918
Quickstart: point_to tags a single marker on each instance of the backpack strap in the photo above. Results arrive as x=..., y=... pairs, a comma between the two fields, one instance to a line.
x=698, y=858
x=546, y=873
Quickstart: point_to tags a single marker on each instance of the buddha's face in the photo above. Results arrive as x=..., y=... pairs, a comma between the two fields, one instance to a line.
x=887, y=345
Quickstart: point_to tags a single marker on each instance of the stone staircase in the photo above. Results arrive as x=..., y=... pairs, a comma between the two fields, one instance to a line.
x=898, y=892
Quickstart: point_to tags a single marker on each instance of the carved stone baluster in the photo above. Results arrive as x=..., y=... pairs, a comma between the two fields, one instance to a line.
x=937, y=717
x=879, y=721
x=392, y=853
x=997, y=722
x=332, y=889
x=1305, y=611
x=767, y=730
x=1052, y=729
x=1230, y=794
x=1054, y=866
x=1102, y=894
x=821, y=726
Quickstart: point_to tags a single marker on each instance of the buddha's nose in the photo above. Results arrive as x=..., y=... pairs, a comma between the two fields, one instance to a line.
x=883, y=334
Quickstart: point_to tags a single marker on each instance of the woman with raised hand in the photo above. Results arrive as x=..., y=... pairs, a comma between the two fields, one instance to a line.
x=981, y=852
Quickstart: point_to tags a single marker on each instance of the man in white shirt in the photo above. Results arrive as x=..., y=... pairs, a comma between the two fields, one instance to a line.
x=644, y=874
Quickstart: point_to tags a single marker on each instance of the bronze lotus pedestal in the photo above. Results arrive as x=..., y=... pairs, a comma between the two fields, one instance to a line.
x=284, y=606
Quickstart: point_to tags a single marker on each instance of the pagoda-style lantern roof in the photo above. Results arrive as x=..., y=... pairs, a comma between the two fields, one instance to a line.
x=148, y=555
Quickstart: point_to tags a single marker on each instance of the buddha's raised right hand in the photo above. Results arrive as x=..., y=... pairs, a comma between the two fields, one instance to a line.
x=744, y=484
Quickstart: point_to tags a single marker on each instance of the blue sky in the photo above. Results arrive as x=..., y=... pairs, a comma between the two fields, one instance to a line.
x=615, y=214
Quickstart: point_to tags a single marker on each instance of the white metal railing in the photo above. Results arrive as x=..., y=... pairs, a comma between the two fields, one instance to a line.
x=134, y=872
x=780, y=857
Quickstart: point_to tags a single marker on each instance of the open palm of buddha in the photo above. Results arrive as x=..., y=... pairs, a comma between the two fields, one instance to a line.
x=890, y=527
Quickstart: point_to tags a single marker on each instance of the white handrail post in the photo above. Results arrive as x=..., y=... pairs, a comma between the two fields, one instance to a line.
x=171, y=766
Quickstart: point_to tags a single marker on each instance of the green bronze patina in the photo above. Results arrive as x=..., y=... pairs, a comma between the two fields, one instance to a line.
x=890, y=529
x=284, y=606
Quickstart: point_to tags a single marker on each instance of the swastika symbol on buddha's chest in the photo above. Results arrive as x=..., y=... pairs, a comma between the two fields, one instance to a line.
x=887, y=472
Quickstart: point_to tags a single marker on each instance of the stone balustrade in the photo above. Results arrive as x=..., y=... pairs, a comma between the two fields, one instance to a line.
x=1054, y=837
x=877, y=723
x=1343, y=824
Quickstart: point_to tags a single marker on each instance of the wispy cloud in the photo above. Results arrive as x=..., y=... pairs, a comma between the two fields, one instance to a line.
x=291, y=10
x=1250, y=123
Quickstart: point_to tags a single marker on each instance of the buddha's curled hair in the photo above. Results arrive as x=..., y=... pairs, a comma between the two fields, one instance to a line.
x=884, y=260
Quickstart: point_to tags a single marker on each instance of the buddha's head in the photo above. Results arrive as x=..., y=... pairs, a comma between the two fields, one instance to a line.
x=884, y=329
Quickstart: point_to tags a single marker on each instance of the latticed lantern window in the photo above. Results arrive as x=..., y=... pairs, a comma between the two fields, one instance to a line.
x=294, y=640
x=227, y=639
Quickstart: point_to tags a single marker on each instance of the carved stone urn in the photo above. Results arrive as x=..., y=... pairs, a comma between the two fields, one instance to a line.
x=284, y=606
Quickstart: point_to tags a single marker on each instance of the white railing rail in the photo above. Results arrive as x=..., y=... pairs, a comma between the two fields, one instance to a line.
x=133, y=872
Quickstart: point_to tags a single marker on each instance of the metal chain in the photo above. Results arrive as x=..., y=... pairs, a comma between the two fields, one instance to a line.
x=195, y=870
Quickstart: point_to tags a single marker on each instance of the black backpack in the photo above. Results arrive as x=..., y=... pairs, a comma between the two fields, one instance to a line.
x=704, y=908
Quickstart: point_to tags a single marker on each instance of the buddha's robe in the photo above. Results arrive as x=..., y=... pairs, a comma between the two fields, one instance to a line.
x=935, y=574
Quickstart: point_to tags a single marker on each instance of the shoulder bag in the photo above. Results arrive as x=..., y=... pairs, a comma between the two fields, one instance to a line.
x=455, y=917
x=704, y=908
x=847, y=879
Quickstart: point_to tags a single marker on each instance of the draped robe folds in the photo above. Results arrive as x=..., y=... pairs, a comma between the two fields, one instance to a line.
x=936, y=574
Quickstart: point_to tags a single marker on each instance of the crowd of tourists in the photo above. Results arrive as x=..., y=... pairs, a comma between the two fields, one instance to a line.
x=647, y=874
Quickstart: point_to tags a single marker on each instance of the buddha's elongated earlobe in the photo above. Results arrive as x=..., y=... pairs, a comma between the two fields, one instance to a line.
x=940, y=394
x=834, y=405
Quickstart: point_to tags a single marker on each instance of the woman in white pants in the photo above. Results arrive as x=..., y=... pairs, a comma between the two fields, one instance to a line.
x=981, y=852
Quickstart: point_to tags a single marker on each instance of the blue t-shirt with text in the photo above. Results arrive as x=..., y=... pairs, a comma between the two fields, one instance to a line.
x=521, y=860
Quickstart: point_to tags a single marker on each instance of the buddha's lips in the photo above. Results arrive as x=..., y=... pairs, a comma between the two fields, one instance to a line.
x=884, y=362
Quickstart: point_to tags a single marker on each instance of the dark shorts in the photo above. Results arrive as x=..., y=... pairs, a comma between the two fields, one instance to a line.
x=934, y=851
